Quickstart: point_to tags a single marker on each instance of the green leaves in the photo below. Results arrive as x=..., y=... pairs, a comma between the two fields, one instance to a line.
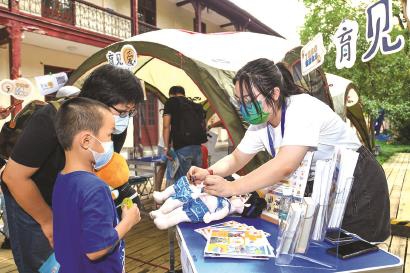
x=384, y=81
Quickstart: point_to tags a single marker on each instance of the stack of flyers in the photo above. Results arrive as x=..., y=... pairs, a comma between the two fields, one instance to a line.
x=230, y=225
x=240, y=244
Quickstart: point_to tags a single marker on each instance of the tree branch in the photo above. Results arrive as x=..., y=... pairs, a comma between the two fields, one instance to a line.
x=400, y=21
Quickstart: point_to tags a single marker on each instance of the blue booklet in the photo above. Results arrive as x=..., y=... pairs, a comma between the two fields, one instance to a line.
x=50, y=265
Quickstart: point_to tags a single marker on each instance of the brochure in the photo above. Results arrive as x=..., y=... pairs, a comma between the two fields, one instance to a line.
x=238, y=244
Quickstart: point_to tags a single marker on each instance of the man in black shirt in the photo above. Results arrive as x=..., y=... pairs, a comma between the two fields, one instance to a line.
x=189, y=154
x=37, y=157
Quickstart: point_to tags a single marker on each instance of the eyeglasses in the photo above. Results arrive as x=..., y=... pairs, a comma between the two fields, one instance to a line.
x=237, y=102
x=123, y=113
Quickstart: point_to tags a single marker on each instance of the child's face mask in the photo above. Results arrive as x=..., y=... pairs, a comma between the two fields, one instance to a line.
x=253, y=115
x=101, y=159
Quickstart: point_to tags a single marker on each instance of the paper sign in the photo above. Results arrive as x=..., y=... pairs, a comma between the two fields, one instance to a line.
x=126, y=58
x=7, y=86
x=312, y=54
x=48, y=84
x=23, y=88
x=20, y=88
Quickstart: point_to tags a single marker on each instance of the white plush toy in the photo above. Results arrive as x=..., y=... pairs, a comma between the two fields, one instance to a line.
x=187, y=203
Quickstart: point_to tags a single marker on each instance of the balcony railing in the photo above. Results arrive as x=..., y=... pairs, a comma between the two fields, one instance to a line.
x=95, y=18
x=80, y=14
x=30, y=6
x=145, y=27
x=62, y=10
x=4, y=3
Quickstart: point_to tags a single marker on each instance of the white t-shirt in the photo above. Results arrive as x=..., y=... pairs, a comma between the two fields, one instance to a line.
x=308, y=122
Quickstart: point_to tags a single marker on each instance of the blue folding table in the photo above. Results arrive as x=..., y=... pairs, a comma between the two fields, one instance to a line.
x=192, y=247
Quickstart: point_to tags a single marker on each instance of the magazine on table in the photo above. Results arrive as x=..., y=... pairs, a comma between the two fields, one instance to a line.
x=238, y=244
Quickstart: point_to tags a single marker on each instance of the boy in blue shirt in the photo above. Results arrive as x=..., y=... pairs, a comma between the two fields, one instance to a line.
x=87, y=233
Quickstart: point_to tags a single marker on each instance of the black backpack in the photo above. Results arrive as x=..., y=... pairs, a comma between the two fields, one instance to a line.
x=192, y=123
x=11, y=130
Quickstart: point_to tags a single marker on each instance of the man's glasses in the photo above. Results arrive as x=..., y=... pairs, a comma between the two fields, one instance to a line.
x=124, y=114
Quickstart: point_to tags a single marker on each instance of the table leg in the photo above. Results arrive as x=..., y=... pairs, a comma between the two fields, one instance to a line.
x=171, y=238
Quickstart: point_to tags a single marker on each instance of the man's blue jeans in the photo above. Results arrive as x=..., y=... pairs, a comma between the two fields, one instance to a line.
x=29, y=245
x=188, y=156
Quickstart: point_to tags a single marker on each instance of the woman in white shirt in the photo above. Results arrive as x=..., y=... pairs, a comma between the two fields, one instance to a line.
x=287, y=124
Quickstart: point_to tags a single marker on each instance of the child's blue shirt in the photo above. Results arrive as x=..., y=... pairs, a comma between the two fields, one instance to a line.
x=84, y=220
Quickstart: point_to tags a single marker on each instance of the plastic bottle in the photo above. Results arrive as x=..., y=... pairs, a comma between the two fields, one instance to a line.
x=284, y=206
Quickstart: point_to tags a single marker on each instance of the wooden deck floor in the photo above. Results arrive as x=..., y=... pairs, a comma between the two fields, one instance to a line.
x=147, y=247
x=397, y=170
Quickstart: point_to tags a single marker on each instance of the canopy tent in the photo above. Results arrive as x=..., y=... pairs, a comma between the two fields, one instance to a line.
x=204, y=64
x=347, y=105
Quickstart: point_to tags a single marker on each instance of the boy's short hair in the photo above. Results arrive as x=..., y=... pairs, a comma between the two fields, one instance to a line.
x=175, y=90
x=112, y=85
x=76, y=115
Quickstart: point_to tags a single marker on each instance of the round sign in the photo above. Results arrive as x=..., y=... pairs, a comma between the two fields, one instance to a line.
x=22, y=89
x=129, y=55
x=7, y=86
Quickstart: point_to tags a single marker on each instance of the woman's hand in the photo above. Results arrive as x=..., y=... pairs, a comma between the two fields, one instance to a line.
x=197, y=175
x=218, y=186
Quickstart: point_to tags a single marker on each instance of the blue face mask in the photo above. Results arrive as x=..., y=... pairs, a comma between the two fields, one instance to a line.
x=120, y=124
x=253, y=115
x=101, y=159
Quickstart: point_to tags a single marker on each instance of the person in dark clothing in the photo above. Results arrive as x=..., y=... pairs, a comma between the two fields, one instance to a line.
x=188, y=154
x=37, y=157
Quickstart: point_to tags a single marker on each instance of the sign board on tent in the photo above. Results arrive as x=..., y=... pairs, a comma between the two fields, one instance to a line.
x=126, y=58
x=312, y=54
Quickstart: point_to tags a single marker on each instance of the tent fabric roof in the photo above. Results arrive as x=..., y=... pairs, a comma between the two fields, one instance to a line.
x=226, y=50
x=340, y=89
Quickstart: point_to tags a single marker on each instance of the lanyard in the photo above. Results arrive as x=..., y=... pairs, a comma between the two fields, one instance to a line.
x=282, y=130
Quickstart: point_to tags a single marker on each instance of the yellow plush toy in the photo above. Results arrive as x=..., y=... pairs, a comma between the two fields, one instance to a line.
x=116, y=173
